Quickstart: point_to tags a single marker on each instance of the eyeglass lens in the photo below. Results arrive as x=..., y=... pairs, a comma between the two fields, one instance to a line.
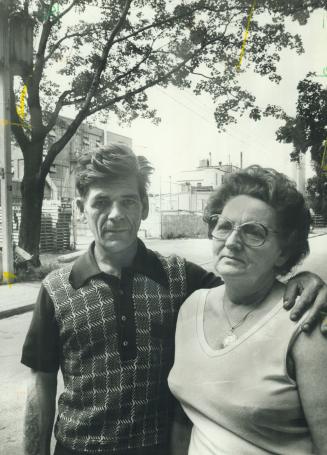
x=252, y=234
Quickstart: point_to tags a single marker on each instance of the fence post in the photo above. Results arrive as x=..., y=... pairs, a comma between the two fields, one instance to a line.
x=74, y=223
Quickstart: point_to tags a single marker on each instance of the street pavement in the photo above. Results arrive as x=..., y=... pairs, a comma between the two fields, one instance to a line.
x=17, y=297
x=14, y=376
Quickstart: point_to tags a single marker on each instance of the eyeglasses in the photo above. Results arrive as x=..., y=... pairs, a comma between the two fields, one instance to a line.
x=251, y=233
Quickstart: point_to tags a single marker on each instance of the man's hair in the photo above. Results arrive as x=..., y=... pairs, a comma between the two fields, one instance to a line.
x=111, y=163
x=278, y=191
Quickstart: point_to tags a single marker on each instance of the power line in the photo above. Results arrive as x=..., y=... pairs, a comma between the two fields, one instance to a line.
x=209, y=111
x=206, y=119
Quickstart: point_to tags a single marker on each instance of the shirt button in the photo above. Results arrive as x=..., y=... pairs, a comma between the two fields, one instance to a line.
x=125, y=343
x=121, y=292
x=124, y=318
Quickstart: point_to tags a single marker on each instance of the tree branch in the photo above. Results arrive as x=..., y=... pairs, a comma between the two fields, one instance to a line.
x=202, y=75
x=137, y=65
x=73, y=101
x=131, y=70
x=59, y=42
x=55, y=114
x=65, y=11
x=56, y=148
x=153, y=82
x=46, y=30
x=84, y=111
x=162, y=22
x=104, y=57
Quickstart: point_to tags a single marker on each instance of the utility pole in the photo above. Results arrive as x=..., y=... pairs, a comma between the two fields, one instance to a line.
x=160, y=208
x=170, y=200
x=301, y=180
x=5, y=146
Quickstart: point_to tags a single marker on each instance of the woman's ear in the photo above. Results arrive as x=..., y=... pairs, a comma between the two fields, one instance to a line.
x=282, y=258
x=285, y=251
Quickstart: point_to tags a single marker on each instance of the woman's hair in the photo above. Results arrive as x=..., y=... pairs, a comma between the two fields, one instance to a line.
x=278, y=191
x=111, y=163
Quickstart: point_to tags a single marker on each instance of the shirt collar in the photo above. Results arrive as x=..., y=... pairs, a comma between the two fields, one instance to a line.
x=145, y=262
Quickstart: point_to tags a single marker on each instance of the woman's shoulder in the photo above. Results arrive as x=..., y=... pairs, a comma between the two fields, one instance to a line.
x=198, y=297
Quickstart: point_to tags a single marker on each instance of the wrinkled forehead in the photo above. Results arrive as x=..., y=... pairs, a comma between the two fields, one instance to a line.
x=113, y=189
x=243, y=208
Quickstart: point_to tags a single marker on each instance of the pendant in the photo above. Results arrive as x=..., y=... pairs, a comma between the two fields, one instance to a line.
x=229, y=340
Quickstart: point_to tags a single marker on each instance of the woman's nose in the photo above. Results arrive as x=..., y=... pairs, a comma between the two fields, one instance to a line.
x=233, y=239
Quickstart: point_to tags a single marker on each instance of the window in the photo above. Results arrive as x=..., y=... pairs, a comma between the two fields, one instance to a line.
x=86, y=140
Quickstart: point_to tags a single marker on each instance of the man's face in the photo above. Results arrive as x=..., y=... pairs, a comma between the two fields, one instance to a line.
x=114, y=211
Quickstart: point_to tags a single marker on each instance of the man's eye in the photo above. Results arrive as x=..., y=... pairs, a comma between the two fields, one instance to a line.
x=129, y=202
x=100, y=203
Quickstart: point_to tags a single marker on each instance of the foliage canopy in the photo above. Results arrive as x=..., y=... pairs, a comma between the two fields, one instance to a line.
x=102, y=56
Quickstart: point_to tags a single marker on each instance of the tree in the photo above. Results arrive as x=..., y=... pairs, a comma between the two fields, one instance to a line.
x=317, y=191
x=307, y=131
x=110, y=63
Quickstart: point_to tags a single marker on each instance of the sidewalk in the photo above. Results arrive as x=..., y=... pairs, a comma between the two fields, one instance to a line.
x=317, y=232
x=18, y=298
x=21, y=297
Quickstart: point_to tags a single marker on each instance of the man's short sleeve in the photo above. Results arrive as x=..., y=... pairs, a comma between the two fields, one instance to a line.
x=41, y=346
x=199, y=278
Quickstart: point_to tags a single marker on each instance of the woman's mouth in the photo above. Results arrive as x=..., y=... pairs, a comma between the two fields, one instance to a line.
x=232, y=258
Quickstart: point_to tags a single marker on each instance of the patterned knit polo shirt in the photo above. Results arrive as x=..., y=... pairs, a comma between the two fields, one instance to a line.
x=113, y=403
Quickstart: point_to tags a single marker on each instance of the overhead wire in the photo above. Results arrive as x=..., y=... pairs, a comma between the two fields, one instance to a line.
x=211, y=123
x=209, y=111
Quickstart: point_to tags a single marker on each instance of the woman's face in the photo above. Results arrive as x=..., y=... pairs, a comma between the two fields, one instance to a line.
x=234, y=259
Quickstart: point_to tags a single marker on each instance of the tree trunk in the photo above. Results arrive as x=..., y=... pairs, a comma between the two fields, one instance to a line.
x=32, y=190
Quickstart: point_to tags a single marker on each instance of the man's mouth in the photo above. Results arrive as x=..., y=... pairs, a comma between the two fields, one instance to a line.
x=114, y=231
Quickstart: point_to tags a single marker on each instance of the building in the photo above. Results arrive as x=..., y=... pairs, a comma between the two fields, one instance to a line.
x=196, y=185
x=60, y=182
x=179, y=212
x=114, y=138
x=60, y=224
x=206, y=174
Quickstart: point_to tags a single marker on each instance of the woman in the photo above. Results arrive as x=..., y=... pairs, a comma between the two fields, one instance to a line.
x=247, y=377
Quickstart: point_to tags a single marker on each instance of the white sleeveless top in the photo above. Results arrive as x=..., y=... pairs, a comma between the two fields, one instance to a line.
x=240, y=399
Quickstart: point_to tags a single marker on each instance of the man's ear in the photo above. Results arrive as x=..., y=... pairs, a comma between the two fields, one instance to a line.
x=80, y=206
x=145, y=207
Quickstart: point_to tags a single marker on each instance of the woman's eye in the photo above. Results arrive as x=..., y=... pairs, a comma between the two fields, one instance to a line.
x=224, y=227
x=254, y=231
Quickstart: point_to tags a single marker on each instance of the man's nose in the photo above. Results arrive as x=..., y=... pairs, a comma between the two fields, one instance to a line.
x=115, y=211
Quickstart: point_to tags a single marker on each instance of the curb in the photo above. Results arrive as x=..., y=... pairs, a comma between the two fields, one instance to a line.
x=317, y=235
x=16, y=311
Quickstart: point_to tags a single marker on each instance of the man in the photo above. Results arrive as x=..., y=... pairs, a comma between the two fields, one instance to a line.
x=108, y=321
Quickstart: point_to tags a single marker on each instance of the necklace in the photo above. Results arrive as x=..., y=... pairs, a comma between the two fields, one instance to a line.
x=231, y=337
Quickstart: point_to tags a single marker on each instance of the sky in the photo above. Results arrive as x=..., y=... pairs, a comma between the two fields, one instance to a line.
x=187, y=131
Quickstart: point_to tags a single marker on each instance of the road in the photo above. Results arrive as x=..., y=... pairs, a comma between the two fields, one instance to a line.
x=13, y=375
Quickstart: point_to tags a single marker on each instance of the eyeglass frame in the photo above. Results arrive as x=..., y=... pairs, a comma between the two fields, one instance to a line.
x=236, y=227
